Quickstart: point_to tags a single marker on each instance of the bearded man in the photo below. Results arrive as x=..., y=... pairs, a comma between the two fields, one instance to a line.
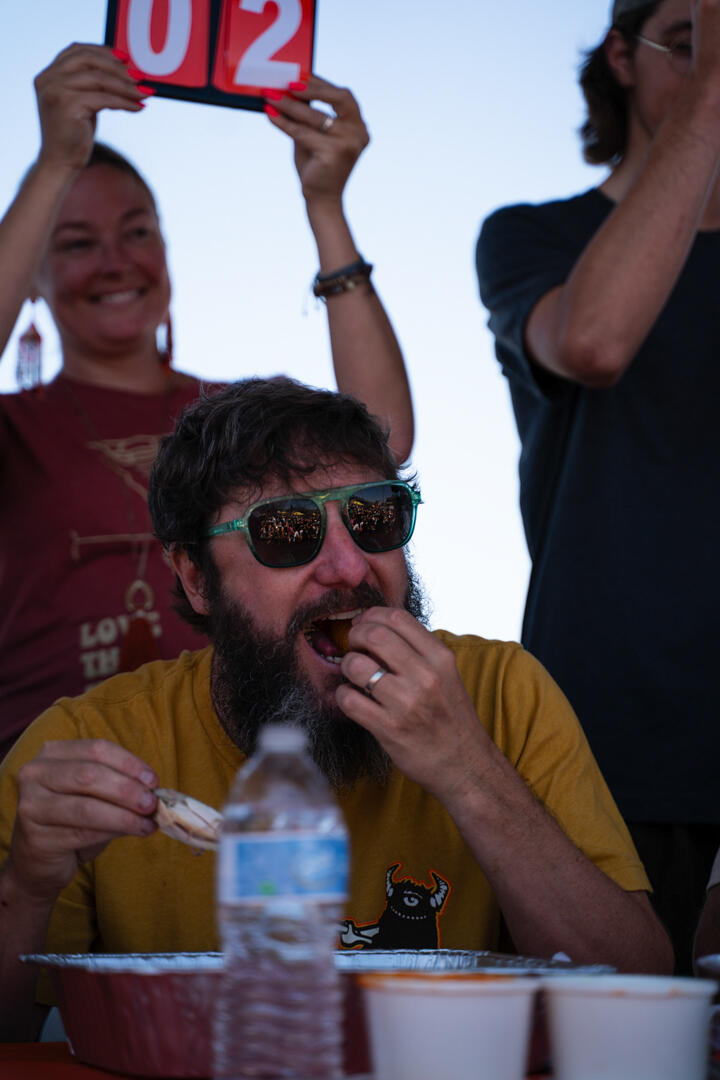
x=463, y=774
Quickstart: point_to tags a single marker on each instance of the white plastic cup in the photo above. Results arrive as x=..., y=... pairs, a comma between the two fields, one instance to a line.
x=428, y=1025
x=628, y=1027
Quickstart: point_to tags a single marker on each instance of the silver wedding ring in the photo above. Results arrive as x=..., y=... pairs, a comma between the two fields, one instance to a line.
x=374, y=680
x=327, y=124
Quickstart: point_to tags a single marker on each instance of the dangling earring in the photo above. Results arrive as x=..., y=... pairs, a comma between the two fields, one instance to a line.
x=165, y=343
x=29, y=362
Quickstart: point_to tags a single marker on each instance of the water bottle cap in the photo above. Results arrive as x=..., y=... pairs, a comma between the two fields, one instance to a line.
x=282, y=737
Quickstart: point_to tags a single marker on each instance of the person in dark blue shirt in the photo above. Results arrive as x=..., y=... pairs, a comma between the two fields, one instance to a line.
x=607, y=327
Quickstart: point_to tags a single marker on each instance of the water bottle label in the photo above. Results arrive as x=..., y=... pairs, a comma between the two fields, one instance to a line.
x=257, y=866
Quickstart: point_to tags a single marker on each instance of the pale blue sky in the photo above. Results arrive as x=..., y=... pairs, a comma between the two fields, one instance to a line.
x=470, y=106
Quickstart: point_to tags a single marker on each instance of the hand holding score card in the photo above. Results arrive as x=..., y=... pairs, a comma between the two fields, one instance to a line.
x=327, y=145
x=80, y=81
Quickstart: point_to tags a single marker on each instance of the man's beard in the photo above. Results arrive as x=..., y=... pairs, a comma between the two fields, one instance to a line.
x=256, y=680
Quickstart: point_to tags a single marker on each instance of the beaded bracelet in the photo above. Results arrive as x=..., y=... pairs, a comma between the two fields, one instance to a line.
x=344, y=280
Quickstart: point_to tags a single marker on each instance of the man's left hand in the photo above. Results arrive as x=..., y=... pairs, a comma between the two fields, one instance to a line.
x=419, y=710
x=327, y=144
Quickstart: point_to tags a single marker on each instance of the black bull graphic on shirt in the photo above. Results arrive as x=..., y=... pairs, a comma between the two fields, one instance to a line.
x=409, y=920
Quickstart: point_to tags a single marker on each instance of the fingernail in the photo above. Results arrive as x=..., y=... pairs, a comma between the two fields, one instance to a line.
x=121, y=55
x=148, y=91
x=148, y=778
x=147, y=799
x=148, y=827
x=140, y=104
x=274, y=95
x=135, y=73
x=297, y=86
x=271, y=110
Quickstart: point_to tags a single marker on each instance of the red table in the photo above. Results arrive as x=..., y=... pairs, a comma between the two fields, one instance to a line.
x=44, y=1061
x=53, y=1061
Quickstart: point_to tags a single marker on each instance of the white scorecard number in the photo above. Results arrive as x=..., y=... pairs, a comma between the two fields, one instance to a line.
x=173, y=52
x=256, y=68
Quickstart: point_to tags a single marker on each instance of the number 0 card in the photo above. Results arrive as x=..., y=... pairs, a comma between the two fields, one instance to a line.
x=219, y=52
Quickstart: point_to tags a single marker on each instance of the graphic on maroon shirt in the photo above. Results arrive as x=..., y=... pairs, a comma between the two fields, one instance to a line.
x=130, y=459
x=409, y=920
x=123, y=455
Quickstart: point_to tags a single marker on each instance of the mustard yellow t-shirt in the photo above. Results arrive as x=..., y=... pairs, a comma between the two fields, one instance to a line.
x=413, y=881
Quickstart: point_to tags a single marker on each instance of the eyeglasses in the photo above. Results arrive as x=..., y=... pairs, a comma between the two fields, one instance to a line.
x=289, y=530
x=679, y=54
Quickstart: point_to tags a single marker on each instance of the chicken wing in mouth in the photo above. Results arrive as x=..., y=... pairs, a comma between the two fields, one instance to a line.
x=329, y=635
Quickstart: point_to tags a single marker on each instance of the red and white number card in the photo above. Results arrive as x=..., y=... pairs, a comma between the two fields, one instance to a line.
x=220, y=52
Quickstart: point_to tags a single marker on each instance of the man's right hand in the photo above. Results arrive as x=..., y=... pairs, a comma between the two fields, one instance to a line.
x=73, y=799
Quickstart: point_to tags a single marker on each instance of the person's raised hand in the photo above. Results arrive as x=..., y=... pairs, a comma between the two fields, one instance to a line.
x=328, y=142
x=71, y=91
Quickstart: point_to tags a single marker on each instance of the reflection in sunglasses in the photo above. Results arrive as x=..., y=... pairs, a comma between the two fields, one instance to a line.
x=373, y=517
x=303, y=526
x=290, y=526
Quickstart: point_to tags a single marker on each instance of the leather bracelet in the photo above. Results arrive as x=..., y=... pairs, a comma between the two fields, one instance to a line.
x=343, y=280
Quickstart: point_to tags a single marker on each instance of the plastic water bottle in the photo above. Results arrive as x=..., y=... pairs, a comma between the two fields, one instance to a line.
x=281, y=890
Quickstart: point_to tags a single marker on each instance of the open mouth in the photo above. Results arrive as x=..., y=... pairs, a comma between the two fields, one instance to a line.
x=328, y=636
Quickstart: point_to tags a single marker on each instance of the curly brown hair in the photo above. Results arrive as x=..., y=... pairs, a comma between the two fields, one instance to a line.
x=604, y=132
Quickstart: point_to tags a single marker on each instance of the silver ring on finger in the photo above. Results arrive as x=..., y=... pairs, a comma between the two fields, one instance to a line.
x=374, y=680
x=327, y=124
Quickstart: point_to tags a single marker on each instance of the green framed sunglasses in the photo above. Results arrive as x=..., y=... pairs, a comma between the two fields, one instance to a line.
x=289, y=530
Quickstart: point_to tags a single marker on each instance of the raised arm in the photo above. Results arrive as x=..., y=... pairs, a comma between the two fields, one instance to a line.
x=366, y=355
x=553, y=898
x=73, y=798
x=590, y=328
x=79, y=82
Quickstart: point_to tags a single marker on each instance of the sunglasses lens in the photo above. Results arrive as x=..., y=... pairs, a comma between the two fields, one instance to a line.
x=286, y=532
x=380, y=517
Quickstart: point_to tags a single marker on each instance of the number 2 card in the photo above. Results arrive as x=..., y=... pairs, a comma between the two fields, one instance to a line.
x=219, y=52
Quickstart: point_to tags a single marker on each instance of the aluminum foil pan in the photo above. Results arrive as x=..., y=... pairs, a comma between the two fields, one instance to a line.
x=150, y=1014
x=140, y=1014
x=459, y=960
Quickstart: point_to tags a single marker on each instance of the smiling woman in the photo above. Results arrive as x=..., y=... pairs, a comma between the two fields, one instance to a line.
x=104, y=276
x=96, y=602
x=86, y=591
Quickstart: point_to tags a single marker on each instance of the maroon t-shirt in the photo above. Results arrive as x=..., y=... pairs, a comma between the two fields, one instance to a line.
x=75, y=533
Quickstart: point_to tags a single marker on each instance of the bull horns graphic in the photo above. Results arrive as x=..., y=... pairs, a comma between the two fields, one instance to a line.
x=438, y=895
